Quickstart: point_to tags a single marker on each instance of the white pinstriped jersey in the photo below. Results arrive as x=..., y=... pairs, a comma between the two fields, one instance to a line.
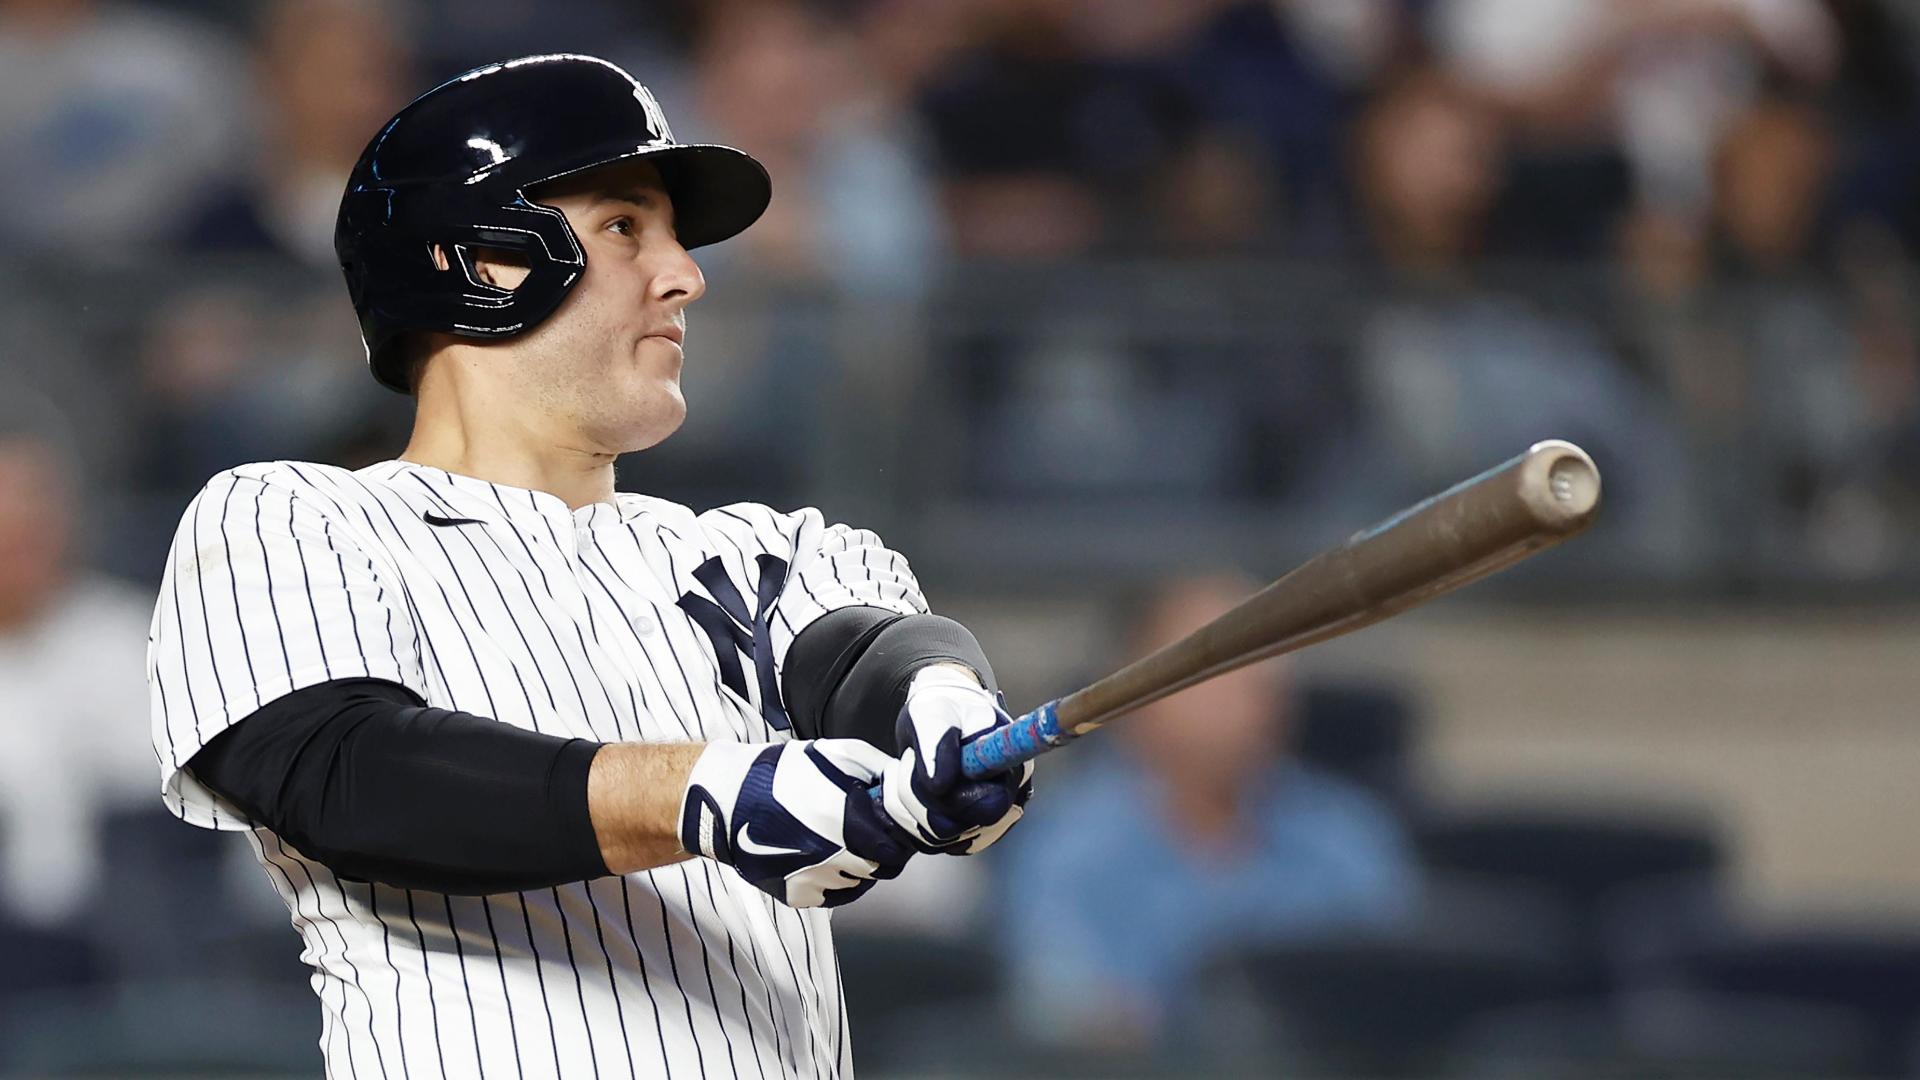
x=641, y=621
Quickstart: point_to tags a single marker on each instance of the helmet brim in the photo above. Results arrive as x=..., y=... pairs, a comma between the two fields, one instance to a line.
x=717, y=191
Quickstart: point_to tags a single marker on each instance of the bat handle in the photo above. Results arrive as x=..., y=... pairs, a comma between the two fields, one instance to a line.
x=1029, y=736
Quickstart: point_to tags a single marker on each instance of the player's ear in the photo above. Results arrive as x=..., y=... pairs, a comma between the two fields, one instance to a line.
x=500, y=269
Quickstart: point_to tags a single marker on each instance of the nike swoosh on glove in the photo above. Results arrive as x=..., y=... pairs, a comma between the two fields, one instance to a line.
x=795, y=819
x=925, y=791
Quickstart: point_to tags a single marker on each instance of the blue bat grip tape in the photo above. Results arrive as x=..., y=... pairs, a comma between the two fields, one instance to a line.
x=1023, y=740
x=997, y=751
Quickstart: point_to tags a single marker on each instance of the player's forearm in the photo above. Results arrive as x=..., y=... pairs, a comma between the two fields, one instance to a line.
x=634, y=795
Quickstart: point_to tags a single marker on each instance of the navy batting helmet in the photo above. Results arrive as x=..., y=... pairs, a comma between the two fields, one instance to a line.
x=452, y=170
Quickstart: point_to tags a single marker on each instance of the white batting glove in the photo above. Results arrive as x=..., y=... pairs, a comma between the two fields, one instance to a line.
x=924, y=789
x=795, y=819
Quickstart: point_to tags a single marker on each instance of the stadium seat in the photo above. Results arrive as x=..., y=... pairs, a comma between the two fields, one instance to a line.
x=1630, y=882
x=1874, y=976
x=1363, y=731
x=1393, y=1005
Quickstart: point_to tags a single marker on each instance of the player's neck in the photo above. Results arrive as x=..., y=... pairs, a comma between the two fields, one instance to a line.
x=513, y=456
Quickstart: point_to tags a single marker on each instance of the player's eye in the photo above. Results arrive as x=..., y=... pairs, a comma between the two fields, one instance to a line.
x=621, y=225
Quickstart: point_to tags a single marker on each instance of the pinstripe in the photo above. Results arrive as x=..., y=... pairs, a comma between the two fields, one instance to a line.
x=540, y=977
x=793, y=972
x=292, y=897
x=322, y=975
x=466, y=987
x=532, y=718
x=286, y=657
x=199, y=577
x=413, y=611
x=813, y=980
x=359, y=543
x=840, y=1013
x=746, y=1013
x=777, y=1014
x=706, y=959
x=693, y=1030
x=399, y=1014
x=746, y=1010
x=613, y=982
x=626, y=890
x=812, y=1050
x=579, y=988
x=640, y=958
x=547, y=688
x=506, y=995
x=346, y=954
x=706, y=949
x=426, y=968
x=493, y=709
x=532, y=604
x=673, y=966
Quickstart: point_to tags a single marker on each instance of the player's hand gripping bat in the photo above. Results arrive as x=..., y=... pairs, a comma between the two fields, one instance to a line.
x=1461, y=535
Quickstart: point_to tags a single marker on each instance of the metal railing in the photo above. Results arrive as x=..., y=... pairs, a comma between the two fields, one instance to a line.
x=1047, y=425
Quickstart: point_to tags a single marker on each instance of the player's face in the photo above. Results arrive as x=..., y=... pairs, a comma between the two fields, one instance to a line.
x=607, y=363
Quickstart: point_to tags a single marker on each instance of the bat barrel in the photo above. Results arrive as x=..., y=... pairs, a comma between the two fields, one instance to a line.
x=1515, y=509
x=1518, y=508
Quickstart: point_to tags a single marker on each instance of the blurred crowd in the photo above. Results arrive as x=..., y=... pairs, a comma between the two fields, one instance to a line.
x=1124, y=261
x=1319, y=255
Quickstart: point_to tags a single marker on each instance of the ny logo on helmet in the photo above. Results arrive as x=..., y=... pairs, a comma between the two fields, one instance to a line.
x=656, y=118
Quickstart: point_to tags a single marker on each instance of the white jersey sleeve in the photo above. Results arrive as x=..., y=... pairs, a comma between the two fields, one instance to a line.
x=266, y=590
x=827, y=567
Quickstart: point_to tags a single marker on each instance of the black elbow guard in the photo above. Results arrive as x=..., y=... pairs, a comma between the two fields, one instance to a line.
x=846, y=675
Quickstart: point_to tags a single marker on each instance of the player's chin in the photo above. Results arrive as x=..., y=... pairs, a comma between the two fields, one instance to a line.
x=655, y=411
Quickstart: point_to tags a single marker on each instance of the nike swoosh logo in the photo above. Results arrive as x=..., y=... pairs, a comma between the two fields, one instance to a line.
x=436, y=519
x=745, y=842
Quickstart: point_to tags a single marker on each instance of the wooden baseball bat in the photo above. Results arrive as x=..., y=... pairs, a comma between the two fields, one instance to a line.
x=1484, y=524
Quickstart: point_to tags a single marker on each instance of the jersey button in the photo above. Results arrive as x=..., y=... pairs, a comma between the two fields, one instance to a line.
x=644, y=625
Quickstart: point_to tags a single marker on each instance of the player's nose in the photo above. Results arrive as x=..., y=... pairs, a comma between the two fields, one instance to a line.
x=677, y=279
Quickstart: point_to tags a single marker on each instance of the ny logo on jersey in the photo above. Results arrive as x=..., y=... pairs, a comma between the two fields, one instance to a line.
x=734, y=630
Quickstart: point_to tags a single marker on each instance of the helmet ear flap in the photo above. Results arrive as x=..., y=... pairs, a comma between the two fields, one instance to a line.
x=543, y=243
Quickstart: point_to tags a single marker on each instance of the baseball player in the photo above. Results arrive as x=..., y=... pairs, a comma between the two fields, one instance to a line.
x=555, y=780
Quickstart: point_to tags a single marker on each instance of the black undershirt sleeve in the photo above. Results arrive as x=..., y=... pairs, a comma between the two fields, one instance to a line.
x=846, y=673
x=361, y=776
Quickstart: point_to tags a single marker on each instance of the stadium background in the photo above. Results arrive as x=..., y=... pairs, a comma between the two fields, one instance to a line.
x=1067, y=299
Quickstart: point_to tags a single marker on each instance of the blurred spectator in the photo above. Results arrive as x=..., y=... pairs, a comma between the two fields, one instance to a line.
x=328, y=73
x=1198, y=834
x=113, y=118
x=1660, y=77
x=73, y=699
x=1792, y=379
x=468, y=33
x=1046, y=147
x=853, y=202
x=853, y=210
x=1458, y=374
x=1274, y=82
x=273, y=368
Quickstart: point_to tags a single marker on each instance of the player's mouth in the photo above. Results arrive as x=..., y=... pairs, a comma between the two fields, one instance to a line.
x=671, y=332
